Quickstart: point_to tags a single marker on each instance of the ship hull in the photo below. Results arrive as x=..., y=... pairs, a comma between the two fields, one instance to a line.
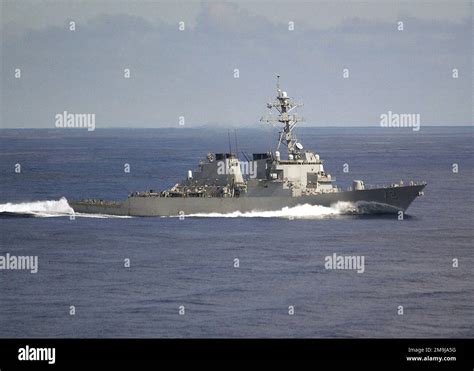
x=378, y=200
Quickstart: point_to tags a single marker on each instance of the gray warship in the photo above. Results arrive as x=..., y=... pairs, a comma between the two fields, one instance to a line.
x=270, y=181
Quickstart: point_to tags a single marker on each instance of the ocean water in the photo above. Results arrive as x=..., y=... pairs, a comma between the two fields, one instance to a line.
x=190, y=262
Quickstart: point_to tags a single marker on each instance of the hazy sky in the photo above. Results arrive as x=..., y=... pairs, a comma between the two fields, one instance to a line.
x=190, y=73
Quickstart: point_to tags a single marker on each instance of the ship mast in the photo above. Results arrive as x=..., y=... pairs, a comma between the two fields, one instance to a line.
x=284, y=106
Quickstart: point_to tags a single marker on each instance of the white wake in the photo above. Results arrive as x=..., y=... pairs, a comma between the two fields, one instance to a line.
x=58, y=208
x=48, y=209
x=39, y=208
x=305, y=211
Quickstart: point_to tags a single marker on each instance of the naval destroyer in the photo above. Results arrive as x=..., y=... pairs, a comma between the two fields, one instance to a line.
x=286, y=177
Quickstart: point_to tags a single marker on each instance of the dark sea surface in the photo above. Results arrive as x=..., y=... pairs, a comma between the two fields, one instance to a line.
x=190, y=263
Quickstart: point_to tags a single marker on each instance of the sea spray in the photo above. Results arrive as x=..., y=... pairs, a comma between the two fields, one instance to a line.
x=305, y=211
x=39, y=208
x=48, y=208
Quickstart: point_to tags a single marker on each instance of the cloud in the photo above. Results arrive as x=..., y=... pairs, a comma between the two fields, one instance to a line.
x=19, y=15
x=191, y=73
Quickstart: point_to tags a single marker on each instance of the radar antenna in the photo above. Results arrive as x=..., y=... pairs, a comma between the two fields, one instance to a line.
x=284, y=106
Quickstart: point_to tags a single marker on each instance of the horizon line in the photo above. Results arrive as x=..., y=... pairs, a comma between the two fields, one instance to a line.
x=210, y=126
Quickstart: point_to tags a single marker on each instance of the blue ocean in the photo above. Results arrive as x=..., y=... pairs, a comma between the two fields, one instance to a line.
x=104, y=277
